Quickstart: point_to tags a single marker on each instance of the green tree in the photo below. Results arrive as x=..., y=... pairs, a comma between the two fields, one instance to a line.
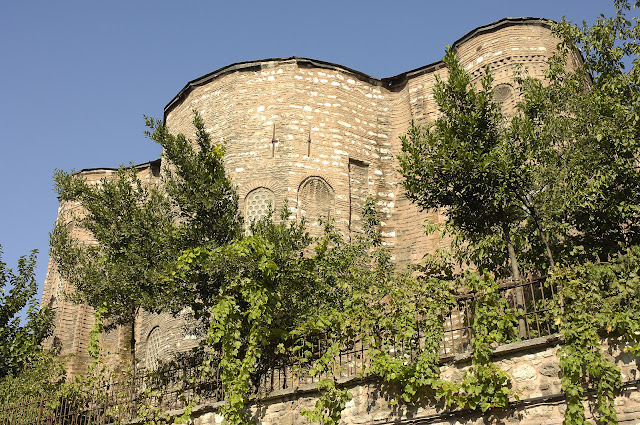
x=21, y=342
x=567, y=166
x=584, y=124
x=282, y=297
x=204, y=198
x=462, y=163
x=559, y=180
x=41, y=376
x=466, y=164
x=138, y=229
x=133, y=232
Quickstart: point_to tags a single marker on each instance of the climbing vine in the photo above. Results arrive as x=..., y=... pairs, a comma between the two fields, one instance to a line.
x=484, y=385
x=398, y=318
x=600, y=304
x=329, y=406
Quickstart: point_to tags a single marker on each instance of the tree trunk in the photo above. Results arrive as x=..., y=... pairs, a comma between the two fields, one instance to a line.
x=515, y=274
x=132, y=344
x=545, y=241
x=127, y=345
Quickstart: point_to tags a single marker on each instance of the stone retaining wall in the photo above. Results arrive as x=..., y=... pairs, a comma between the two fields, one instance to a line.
x=534, y=369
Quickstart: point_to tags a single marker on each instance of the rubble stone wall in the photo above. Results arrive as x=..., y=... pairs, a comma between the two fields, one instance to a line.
x=533, y=366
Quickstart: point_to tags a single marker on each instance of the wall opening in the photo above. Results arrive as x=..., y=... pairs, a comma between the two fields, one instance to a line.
x=358, y=193
x=257, y=204
x=152, y=357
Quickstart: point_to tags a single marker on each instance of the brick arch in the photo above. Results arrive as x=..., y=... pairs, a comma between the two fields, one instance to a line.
x=149, y=322
x=315, y=201
x=257, y=204
x=328, y=180
x=278, y=188
x=153, y=348
x=275, y=186
x=506, y=96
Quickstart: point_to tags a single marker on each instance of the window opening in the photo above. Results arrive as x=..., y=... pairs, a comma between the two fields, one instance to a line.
x=257, y=204
x=153, y=349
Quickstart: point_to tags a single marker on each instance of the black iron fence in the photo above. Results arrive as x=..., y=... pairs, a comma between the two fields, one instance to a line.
x=151, y=394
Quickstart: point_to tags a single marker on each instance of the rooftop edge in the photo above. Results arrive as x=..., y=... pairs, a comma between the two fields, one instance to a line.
x=389, y=82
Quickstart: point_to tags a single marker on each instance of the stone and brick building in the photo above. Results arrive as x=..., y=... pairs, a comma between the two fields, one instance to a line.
x=322, y=138
x=319, y=136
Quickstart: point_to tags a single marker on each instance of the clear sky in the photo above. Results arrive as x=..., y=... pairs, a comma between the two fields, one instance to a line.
x=77, y=76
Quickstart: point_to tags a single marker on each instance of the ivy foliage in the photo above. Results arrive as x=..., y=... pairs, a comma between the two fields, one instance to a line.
x=283, y=298
x=329, y=406
x=600, y=303
x=264, y=286
x=484, y=385
x=40, y=377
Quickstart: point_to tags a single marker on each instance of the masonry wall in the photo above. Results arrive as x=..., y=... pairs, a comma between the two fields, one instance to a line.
x=533, y=366
x=73, y=322
x=286, y=120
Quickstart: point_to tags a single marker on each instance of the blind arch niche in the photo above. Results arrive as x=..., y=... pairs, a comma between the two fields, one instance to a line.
x=316, y=199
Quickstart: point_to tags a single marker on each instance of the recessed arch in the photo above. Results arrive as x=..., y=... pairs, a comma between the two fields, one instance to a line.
x=316, y=201
x=502, y=93
x=257, y=204
x=152, y=355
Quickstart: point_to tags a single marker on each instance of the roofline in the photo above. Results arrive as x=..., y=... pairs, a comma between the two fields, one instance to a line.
x=136, y=166
x=390, y=82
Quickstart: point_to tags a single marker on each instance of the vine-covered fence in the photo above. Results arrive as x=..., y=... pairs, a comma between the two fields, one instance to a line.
x=170, y=389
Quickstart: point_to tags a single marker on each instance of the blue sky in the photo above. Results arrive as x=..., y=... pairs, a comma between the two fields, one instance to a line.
x=77, y=76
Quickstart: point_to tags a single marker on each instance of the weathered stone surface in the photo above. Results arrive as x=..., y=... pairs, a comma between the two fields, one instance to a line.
x=540, y=411
x=551, y=369
x=367, y=405
x=524, y=372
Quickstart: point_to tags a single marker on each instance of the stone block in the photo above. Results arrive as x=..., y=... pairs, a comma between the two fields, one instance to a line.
x=551, y=369
x=524, y=373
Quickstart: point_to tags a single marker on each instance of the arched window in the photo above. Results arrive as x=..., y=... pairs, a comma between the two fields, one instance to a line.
x=315, y=200
x=257, y=204
x=153, y=349
x=503, y=94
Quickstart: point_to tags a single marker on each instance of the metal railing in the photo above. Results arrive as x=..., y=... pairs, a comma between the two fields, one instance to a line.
x=172, y=389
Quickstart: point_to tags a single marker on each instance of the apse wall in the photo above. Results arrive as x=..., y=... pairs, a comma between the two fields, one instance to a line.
x=73, y=322
x=287, y=120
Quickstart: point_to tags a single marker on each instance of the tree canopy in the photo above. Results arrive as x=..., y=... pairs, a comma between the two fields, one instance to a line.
x=560, y=178
x=139, y=229
x=21, y=342
x=554, y=189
